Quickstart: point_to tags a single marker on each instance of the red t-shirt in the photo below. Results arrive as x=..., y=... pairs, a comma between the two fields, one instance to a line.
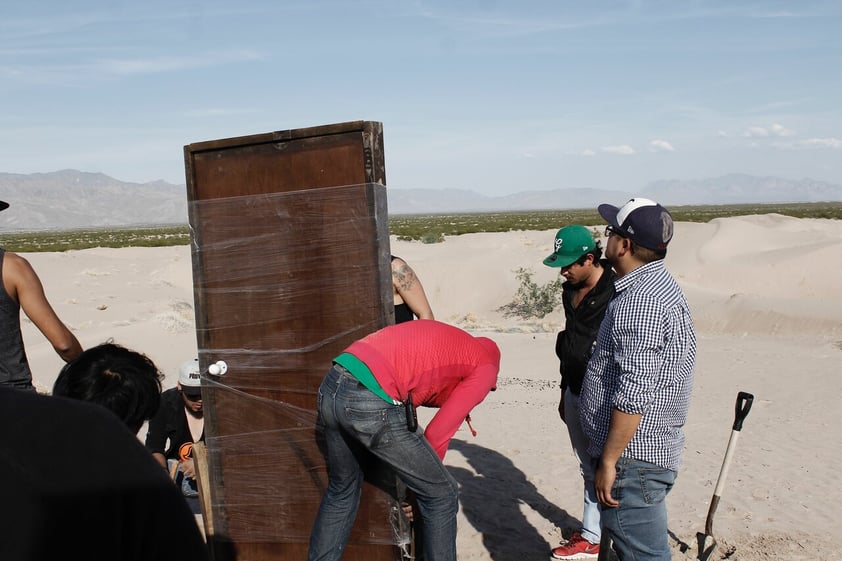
x=442, y=365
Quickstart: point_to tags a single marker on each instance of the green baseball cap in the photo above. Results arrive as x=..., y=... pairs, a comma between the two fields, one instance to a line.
x=571, y=243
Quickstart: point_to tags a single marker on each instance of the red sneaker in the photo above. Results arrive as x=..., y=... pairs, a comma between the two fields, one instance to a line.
x=576, y=547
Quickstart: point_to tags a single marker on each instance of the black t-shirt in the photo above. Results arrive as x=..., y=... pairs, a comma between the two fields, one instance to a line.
x=574, y=345
x=170, y=424
x=76, y=484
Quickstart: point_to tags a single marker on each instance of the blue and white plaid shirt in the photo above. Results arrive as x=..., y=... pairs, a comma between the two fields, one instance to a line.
x=642, y=364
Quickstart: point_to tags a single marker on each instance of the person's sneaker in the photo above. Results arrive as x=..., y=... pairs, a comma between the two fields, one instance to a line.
x=576, y=547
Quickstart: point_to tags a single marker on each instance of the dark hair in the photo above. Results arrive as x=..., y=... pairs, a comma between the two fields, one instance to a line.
x=647, y=255
x=124, y=381
x=596, y=252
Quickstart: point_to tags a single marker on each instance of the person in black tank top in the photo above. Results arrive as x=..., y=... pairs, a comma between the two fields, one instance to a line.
x=410, y=298
x=21, y=289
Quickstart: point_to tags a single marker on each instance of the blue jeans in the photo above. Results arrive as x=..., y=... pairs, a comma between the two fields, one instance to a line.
x=354, y=420
x=639, y=525
x=590, y=515
x=189, y=487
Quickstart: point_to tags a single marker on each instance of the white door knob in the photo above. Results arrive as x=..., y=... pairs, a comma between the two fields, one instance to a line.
x=218, y=368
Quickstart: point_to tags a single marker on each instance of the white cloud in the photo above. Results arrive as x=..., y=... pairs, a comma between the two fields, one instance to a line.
x=588, y=152
x=721, y=134
x=161, y=64
x=660, y=146
x=765, y=132
x=756, y=132
x=780, y=130
x=834, y=143
x=622, y=149
x=75, y=73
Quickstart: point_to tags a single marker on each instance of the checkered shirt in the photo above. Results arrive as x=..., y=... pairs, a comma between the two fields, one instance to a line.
x=643, y=364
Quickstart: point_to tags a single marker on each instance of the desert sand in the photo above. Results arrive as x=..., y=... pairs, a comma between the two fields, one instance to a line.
x=768, y=312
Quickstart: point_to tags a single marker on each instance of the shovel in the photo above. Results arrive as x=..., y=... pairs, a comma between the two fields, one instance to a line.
x=706, y=540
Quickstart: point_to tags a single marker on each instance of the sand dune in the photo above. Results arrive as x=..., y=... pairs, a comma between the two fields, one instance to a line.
x=767, y=302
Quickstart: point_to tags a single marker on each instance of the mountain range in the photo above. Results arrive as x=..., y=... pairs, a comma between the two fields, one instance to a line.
x=69, y=199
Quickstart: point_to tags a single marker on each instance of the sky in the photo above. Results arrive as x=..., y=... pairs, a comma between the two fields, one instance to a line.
x=491, y=96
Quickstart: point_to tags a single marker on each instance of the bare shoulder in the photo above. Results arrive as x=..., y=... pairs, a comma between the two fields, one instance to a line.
x=16, y=266
x=18, y=275
x=401, y=269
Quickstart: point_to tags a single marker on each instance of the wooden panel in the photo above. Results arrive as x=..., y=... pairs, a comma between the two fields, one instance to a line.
x=291, y=265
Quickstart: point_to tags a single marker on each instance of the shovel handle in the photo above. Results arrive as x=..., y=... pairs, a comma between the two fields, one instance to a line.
x=741, y=409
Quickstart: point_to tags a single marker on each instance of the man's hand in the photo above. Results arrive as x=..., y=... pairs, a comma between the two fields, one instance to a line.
x=620, y=432
x=187, y=468
x=606, y=474
x=407, y=510
x=407, y=505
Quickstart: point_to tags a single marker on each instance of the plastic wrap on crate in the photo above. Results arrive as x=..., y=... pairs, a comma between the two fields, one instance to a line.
x=283, y=312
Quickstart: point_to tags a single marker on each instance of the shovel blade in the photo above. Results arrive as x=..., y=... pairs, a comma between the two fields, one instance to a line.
x=706, y=545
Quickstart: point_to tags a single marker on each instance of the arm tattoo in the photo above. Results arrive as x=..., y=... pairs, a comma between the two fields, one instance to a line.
x=404, y=277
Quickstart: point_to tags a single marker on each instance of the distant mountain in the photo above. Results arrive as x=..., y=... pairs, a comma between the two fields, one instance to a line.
x=74, y=199
x=739, y=188
x=727, y=189
x=429, y=201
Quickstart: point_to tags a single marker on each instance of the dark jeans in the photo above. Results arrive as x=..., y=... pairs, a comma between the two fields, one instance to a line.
x=354, y=420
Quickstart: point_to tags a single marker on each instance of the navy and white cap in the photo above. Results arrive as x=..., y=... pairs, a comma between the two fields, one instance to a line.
x=644, y=221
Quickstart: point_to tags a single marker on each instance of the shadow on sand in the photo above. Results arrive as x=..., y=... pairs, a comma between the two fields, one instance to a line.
x=492, y=499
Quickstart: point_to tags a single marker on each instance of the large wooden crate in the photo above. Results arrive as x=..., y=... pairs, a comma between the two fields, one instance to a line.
x=290, y=265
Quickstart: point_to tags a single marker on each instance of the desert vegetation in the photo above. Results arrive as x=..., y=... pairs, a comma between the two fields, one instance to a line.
x=55, y=240
x=432, y=228
x=533, y=300
x=425, y=228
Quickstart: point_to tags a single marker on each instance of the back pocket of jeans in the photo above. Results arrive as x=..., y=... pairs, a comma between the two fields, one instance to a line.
x=368, y=424
x=655, y=483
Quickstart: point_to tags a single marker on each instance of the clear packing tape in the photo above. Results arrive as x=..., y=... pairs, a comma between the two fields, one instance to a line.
x=283, y=283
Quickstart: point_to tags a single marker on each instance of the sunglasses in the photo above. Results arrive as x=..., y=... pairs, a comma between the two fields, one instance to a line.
x=612, y=231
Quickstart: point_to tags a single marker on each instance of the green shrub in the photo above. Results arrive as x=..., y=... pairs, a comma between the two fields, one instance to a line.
x=531, y=300
x=432, y=237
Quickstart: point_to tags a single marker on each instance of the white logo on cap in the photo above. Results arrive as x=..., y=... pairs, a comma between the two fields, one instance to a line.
x=558, y=243
x=666, y=223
